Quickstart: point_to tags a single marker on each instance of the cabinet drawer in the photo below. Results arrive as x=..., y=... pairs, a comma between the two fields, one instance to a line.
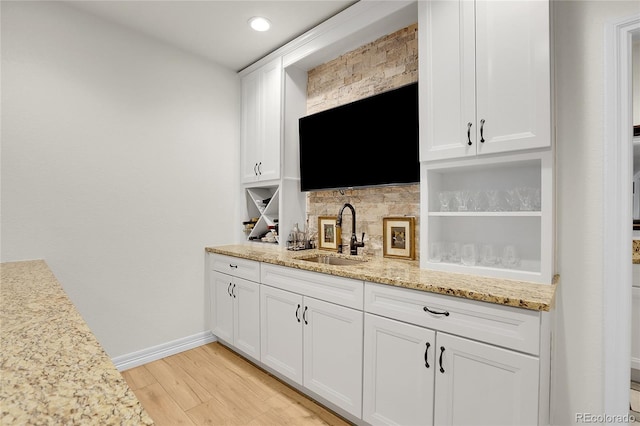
x=504, y=326
x=339, y=290
x=236, y=266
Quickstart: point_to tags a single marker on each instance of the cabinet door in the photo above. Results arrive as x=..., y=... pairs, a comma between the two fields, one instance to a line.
x=269, y=151
x=513, y=75
x=261, y=122
x=447, y=99
x=221, y=306
x=398, y=372
x=482, y=384
x=251, y=132
x=246, y=317
x=333, y=353
x=281, y=331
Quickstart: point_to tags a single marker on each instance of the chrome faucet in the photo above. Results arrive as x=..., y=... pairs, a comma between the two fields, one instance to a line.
x=353, y=243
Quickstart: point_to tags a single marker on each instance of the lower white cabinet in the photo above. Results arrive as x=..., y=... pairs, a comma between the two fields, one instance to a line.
x=235, y=312
x=315, y=344
x=437, y=360
x=416, y=376
x=480, y=384
x=384, y=354
x=398, y=372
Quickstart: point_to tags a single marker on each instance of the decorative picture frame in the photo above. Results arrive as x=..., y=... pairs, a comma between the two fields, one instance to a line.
x=328, y=233
x=398, y=237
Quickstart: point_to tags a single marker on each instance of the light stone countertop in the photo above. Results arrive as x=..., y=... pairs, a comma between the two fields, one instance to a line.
x=53, y=370
x=407, y=274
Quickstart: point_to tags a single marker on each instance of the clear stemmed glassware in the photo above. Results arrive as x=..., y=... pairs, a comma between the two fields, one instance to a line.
x=526, y=196
x=513, y=200
x=462, y=198
x=479, y=201
x=445, y=200
x=493, y=200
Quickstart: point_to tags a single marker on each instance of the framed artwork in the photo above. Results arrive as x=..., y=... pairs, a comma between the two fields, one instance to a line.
x=398, y=236
x=328, y=233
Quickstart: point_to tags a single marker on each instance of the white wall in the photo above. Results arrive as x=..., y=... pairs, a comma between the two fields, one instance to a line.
x=119, y=165
x=577, y=383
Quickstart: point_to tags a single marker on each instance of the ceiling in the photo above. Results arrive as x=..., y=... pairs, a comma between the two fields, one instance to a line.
x=216, y=29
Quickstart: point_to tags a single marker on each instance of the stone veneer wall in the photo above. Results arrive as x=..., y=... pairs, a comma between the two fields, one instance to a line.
x=386, y=63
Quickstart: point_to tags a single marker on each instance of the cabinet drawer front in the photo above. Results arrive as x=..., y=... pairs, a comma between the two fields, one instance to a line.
x=236, y=266
x=339, y=290
x=505, y=326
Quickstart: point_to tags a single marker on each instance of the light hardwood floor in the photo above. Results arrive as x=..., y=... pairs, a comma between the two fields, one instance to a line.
x=211, y=385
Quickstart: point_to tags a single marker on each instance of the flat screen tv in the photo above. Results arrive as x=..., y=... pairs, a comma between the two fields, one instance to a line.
x=369, y=142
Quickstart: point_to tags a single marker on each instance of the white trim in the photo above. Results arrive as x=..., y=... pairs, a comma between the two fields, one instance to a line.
x=617, y=215
x=355, y=26
x=154, y=353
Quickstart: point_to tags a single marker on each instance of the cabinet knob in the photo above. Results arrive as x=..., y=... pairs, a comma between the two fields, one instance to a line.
x=469, y=124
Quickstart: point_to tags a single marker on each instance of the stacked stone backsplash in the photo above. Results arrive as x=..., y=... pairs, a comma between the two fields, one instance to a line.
x=386, y=63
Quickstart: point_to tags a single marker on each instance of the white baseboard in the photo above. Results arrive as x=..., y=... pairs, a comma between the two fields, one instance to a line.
x=135, y=359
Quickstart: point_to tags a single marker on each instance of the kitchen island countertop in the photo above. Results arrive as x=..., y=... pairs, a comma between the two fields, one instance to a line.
x=407, y=274
x=52, y=368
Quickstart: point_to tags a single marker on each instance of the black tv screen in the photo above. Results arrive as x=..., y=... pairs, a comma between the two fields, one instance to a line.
x=369, y=142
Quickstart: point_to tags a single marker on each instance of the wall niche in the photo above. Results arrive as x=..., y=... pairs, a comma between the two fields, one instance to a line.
x=384, y=64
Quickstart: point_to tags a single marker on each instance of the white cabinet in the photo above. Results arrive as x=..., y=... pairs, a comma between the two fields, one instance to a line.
x=281, y=331
x=398, y=372
x=481, y=384
x=235, y=308
x=490, y=216
x=261, y=122
x=485, y=77
x=312, y=342
x=449, y=374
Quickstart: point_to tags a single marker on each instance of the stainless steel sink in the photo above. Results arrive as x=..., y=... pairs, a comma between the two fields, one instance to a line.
x=333, y=260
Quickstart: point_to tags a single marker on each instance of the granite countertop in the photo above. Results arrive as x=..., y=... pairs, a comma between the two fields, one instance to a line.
x=52, y=368
x=635, y=253
x=407, y=274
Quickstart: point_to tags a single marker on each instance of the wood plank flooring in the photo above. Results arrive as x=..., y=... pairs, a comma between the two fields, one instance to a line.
x=211, y=385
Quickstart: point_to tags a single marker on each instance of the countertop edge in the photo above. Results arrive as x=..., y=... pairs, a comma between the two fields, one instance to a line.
x=519, y=294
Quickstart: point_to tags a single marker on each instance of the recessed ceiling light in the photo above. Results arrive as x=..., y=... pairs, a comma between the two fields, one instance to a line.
x=259, y=23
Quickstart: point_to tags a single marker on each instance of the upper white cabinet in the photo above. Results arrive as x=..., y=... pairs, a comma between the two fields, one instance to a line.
x=261, y=122
x=485, y=79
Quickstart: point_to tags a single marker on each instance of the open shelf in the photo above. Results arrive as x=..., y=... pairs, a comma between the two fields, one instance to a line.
x=509, y=237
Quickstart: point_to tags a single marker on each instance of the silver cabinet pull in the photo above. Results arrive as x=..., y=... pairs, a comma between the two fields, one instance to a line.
x=482, y=130
x=469, y=124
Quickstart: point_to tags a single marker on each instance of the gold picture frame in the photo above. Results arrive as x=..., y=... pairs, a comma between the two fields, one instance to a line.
x=328, y=233
x=398, y=236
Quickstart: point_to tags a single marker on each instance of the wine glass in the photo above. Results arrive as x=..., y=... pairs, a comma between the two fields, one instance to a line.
x=445, y=200
x=462, y=198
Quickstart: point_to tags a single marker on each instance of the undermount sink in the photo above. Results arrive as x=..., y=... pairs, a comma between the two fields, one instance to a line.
x=333, y=260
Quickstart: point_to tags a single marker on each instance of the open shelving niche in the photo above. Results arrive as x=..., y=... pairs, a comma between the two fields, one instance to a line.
x=267, y=214
x=530, y=232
